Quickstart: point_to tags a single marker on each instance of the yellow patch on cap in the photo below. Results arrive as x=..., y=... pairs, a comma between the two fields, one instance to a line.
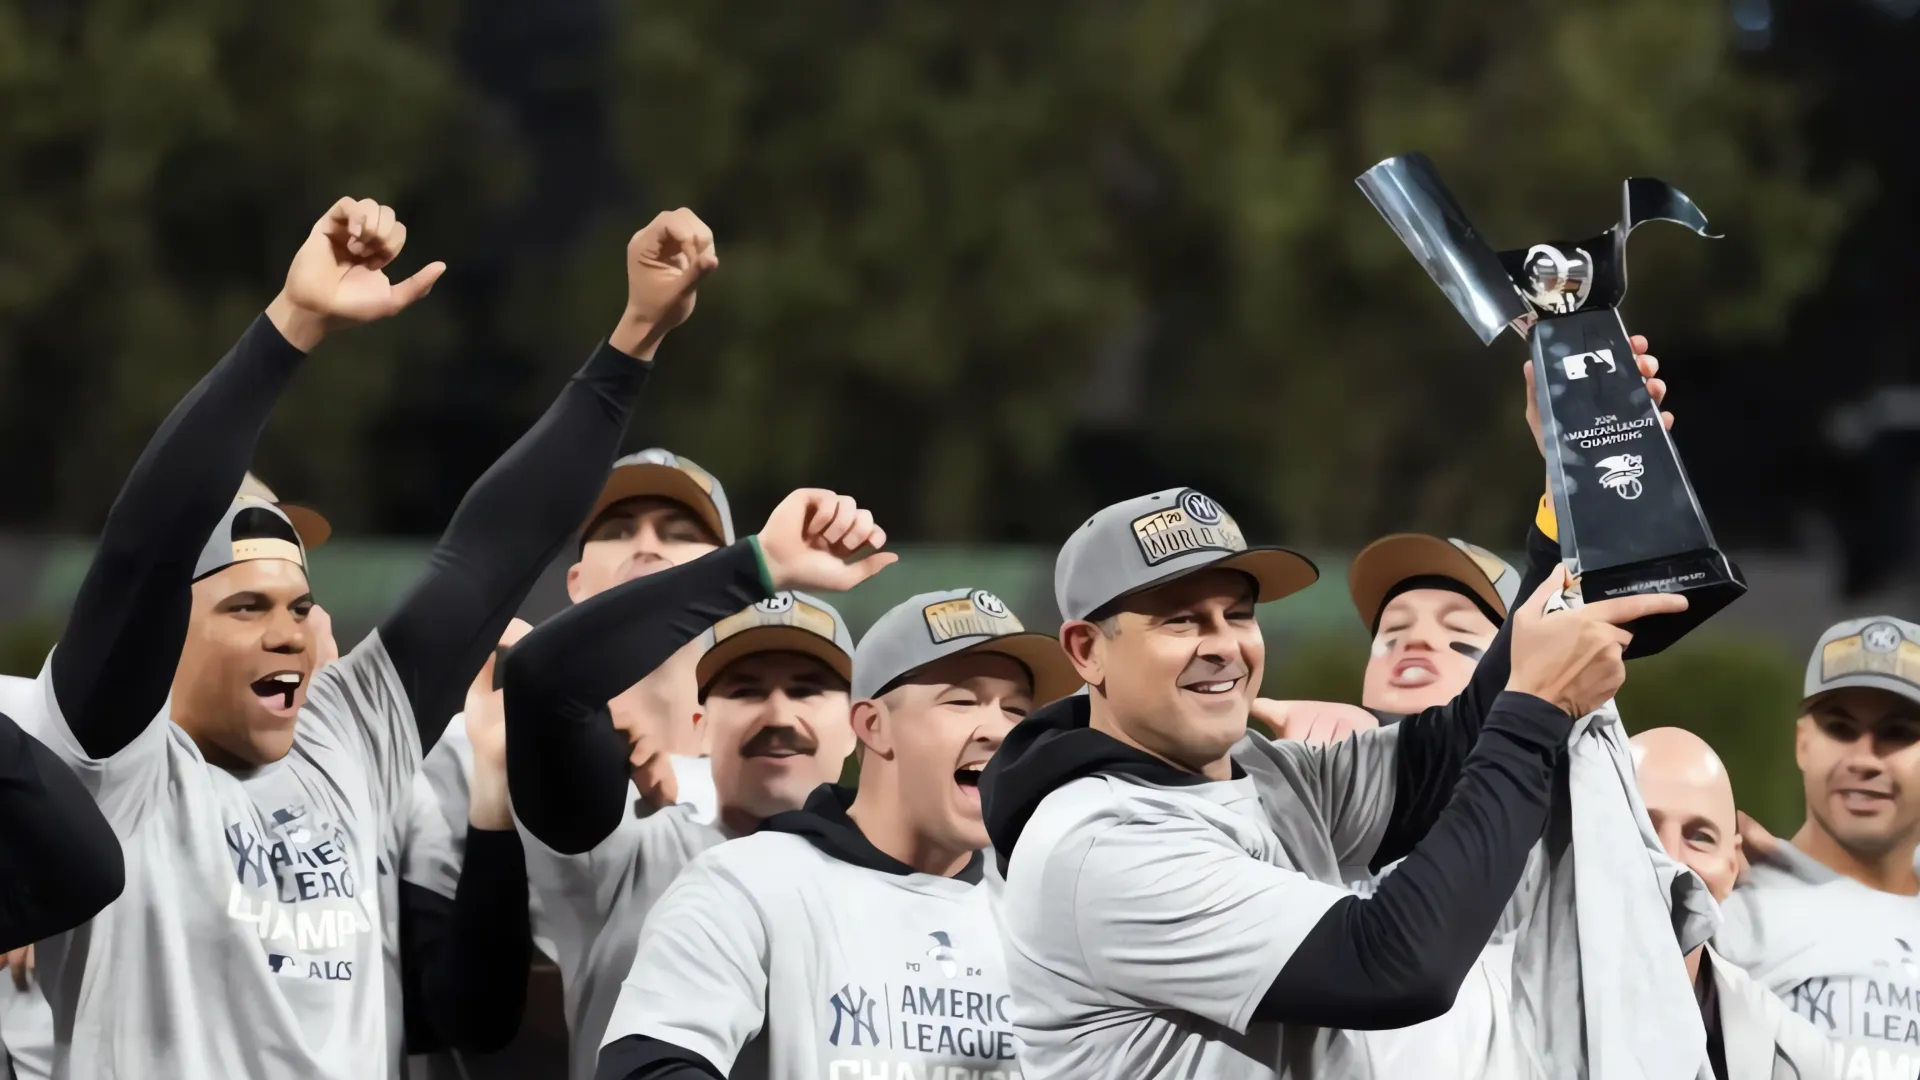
x=780, y=611
x=1194, y=523
x=1878, y=649
x=981, y=614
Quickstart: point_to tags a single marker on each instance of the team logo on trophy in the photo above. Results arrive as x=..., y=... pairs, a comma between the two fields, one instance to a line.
x=1556, y=281
x=1621, y=474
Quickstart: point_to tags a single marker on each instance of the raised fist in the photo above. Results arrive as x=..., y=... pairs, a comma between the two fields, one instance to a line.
x=337, y=277
x=817, y=540
x=1574, y=658
x=665, y=263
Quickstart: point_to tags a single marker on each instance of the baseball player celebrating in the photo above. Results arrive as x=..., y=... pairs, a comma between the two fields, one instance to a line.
x=852, y=938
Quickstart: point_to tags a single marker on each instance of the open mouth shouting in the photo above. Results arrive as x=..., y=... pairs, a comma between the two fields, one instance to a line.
x=276, y=692
x=967, y=779
x=1413, y=672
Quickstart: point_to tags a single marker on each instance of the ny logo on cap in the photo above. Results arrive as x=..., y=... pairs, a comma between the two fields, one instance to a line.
x=1881, y=637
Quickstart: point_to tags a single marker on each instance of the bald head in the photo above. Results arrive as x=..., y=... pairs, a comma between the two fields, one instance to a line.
x=1690, y=799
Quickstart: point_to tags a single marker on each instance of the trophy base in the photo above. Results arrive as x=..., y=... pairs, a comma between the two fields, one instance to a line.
x=1708, y=579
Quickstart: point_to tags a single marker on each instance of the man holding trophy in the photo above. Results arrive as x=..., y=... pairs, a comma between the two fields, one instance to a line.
x=1595, y=992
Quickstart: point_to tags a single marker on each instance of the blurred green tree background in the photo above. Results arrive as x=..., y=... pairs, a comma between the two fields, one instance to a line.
x=986, y=266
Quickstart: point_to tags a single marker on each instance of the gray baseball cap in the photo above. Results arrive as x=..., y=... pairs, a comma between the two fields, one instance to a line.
x=933, y=626
x=1390, y=560
x=785, y=622
x=1151, y=540
x=1878, y=651
x=252, y=528
x=663, y=474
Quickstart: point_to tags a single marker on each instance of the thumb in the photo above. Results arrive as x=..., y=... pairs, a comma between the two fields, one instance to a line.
x=415, y=287
x=1536, y=605
x=870, y=566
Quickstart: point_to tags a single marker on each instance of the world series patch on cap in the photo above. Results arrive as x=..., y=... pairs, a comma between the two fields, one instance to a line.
x=785, y=622
x=662, y=474
x=1382, y=565
x=933, y=626
x=1154, y=539
x=1879, y=652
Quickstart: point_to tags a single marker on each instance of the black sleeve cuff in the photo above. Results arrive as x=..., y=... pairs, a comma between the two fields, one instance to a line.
x=637, y=1057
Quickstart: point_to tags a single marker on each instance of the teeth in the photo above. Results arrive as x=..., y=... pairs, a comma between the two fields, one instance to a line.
x=1213, y=687
x=286, y=677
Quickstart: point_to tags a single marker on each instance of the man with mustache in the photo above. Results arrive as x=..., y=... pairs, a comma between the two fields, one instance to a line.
x=1751, y=1035
x=727, y=983
x=772, y=685
x=1831, y=920
x=261, y=807
x=1163, y=915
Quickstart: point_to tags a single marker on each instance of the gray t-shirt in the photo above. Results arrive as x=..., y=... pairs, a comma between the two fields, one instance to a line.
x=1143, y=924
x=249, y=939
x=776, y=961
x=590, y=907
x=1838, y=953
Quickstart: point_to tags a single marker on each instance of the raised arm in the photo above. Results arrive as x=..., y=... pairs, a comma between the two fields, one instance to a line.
x=60, y=860
x=566, y=764
x=465, y=959
x=114, y=666
x=517, y=516
x=1433, y=746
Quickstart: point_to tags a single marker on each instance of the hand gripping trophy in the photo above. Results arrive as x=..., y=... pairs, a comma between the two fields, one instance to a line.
x=1629, y=521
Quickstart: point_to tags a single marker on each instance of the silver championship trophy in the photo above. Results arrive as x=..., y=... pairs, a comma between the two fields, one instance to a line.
x=1629, y=521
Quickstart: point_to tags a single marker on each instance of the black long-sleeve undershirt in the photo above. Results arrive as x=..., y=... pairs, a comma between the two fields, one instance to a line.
x=512, y=523
x=566, y=764
x=1398, y=957
x=637, y=1057
x=58, y=856
x=1433, y=745
x=464, y=961
x=114, y=667
x=1472, y=784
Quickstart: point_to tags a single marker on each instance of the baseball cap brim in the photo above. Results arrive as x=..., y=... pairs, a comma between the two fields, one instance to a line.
x=1391, y=560
x=1053, y=674
x=650, y=480
x=771, y=639
x=1277, y=573
x=312, y=528
x=1868, y=680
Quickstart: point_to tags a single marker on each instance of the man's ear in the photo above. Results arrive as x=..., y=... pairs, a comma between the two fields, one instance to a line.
x=1086, y=646
x=871, y=726
x=1803, y=732
x=573, y=583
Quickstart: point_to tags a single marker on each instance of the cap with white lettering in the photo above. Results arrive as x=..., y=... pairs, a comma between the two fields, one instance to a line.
x=1154, y=539
x=933, y=626
x=1878, y=651
x=785, y=622
x=663, y=474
